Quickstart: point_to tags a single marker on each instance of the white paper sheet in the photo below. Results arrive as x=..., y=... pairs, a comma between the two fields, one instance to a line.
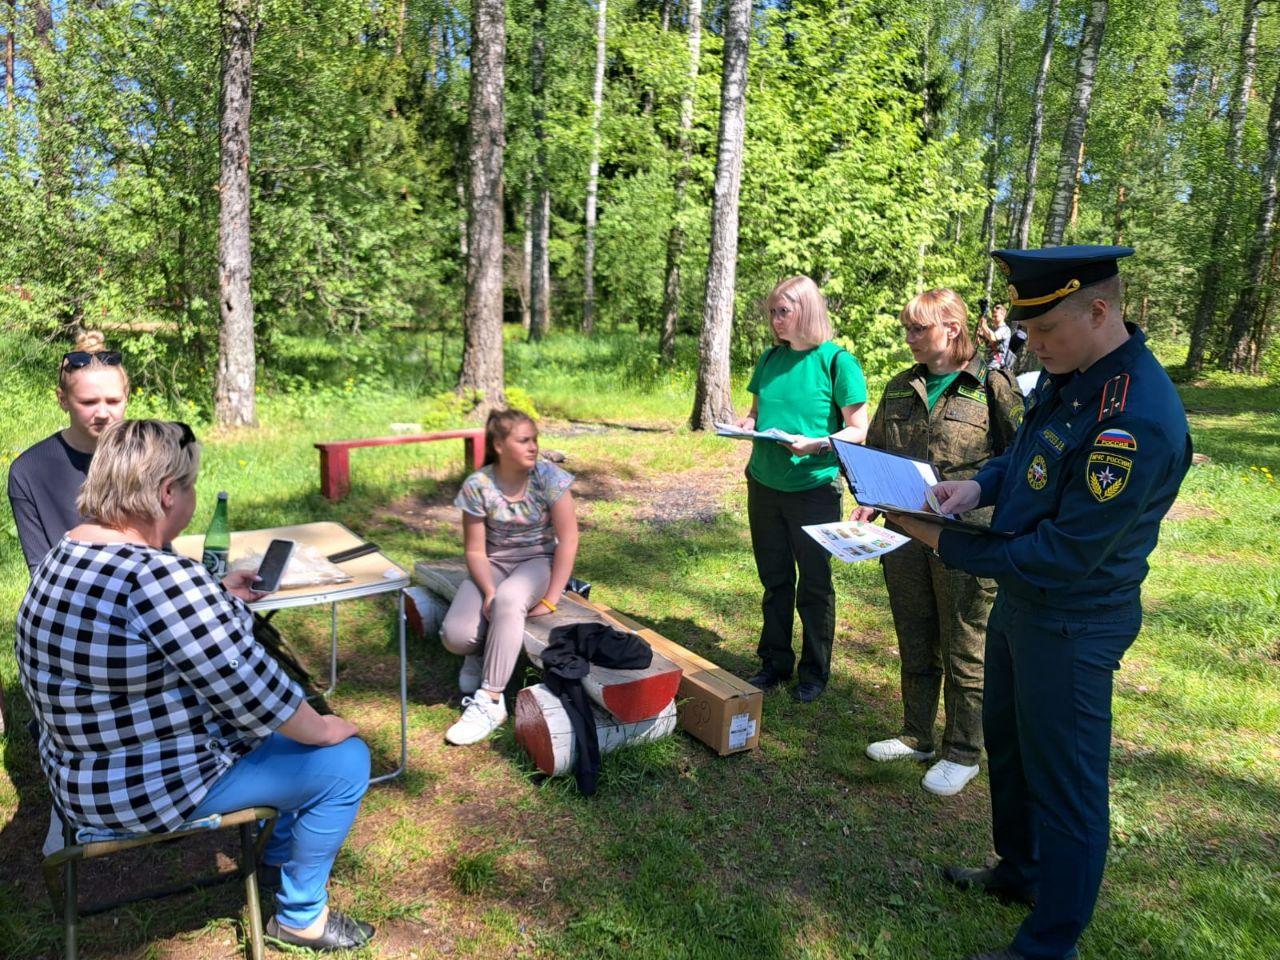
x=853, y=540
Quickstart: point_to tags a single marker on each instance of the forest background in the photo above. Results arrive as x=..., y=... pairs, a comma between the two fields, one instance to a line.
x=887, y=147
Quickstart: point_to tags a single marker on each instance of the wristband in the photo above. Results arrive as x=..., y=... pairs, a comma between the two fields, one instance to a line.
x=547, y=603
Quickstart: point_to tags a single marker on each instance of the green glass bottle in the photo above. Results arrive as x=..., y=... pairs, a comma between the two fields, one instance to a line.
x=217, y=540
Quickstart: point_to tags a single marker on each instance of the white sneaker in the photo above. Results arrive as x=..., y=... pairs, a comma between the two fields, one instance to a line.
x=479, y=720
x=471, y=674
x=895, y=749
x=946, y=779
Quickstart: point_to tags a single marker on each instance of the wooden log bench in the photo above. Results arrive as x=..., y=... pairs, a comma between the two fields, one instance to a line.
x=629, y=695
x=545, y=733
x=335, y=455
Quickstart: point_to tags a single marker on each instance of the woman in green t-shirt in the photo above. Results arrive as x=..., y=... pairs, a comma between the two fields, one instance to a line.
x=807, y=386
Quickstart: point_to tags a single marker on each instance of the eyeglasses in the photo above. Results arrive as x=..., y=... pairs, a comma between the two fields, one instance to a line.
x=188, y=435
x=76, y=359
x=915, y=330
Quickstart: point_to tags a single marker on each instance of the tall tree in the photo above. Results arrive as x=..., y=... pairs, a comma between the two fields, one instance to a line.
x=1027, y=205
x=1238, y=354
x=482, y=362
x=539, y=287
x=1211, y=275
x=593, y=173
x=993, y=153
x=234, y=390
x=1069, y=160
x=675, y=236
x=712, y=402
x=10, y=53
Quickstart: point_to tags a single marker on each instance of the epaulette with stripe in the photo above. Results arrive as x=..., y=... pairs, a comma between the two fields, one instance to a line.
x=1114, y=395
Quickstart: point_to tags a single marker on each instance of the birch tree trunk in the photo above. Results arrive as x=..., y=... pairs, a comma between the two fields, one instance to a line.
x=711, y=399
x=593, y=174
x=1037, y=126
x=1069, y=159
x=1211, y=278
x=1237, y=354
x=675, y=236
x=234, y=391
x=538, y=293
x=10, y=53
x=482, y=369
x=993, y=155
x=526, y=261
x=1262, y=321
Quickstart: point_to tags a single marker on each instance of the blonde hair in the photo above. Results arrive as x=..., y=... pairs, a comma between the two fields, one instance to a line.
x=133, y=458
x=91, y=342
x=937, y=306
x=813, y=325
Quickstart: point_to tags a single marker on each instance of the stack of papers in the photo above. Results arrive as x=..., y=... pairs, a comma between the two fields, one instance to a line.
x=737, y=433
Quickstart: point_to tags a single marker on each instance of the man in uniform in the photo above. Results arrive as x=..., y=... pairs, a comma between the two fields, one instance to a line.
x=1093, y=469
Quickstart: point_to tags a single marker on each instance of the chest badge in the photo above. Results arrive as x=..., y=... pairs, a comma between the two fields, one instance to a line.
x=1108, y=473
x=1037, y=473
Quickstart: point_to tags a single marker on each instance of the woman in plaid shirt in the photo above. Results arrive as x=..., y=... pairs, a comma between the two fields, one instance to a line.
x=156, y=706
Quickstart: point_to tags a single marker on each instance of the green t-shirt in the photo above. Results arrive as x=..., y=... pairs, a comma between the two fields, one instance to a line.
x=935, y=383
x=794, y=392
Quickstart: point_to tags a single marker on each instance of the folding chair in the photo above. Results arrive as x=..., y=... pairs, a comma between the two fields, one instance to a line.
x=61, y=870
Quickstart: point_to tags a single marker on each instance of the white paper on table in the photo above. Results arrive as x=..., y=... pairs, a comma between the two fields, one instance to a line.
x=854, y=540
x=886, y=480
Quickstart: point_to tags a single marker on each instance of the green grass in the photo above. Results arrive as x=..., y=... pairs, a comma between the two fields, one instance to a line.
x=802, y=850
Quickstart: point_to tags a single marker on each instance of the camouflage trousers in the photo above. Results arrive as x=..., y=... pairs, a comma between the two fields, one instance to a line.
x=940, y=615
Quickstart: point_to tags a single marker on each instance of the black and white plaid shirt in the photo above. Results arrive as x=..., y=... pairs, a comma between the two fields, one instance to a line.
x=146, y=681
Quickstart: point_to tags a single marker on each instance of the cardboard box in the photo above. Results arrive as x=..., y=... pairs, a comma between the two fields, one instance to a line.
x=720, y=709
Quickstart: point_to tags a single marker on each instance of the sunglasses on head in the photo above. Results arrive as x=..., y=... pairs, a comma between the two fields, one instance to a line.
x=188, y=436
x=75, y=359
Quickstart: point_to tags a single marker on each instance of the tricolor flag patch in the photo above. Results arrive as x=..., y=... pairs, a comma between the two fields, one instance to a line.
x=1116, y=440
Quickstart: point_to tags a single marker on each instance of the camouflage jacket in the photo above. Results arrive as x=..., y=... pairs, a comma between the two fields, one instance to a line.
x=974, y=419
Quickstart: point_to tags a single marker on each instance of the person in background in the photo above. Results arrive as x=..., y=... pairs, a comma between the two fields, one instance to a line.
x=44, y=481
x=997, y=337
x=520, y=535
x=1094, y=469
x=154, y=704
x=951, y=410
x=807, y=386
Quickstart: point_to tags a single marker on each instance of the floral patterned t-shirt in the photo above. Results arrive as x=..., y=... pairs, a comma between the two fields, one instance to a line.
x=525, y=522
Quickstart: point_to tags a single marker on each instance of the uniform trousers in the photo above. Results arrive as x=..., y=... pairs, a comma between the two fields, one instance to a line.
x=795, y=571
x=520, y=577
x=1047, y=718
x=940, y=616
x=318, y=792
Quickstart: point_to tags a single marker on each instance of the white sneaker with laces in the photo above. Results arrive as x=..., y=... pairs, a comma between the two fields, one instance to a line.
x=471, y=674
x=895, y=749
x=946, y=779
x=480, y=718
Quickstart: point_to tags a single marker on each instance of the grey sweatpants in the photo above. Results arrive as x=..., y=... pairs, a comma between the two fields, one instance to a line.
x=520, y=579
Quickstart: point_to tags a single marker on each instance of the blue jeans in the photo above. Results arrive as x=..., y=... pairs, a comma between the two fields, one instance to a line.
x=318, y=792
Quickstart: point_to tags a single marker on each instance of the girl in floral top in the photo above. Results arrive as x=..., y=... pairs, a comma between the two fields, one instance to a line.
x=521, y=538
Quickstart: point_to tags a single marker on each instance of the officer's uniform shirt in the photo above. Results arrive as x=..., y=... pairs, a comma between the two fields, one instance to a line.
x=1093, y=469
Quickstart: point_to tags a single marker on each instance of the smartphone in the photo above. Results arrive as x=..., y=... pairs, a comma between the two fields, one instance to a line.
x=274, y=562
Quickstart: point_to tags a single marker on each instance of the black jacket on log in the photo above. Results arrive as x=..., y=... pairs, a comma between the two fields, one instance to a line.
x=571, y=650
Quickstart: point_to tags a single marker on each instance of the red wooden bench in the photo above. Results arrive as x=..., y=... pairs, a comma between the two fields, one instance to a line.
x=335, y=456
